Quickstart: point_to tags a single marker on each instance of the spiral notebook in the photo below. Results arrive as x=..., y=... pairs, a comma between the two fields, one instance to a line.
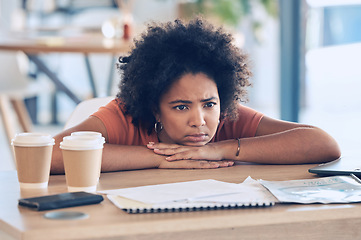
x=191, y=196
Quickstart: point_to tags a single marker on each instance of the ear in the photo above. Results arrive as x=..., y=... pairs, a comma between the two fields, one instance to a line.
x=156, y=116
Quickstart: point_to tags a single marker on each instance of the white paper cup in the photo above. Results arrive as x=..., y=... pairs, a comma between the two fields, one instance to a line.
x=88, y=134
x=33, y=158
x=82, y=156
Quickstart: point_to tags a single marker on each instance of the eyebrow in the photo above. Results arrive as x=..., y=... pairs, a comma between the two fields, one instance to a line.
x=189, y=102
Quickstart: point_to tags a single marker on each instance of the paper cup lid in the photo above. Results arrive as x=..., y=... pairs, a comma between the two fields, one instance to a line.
x=82, y=142
x=32, y=140
x=87, y=133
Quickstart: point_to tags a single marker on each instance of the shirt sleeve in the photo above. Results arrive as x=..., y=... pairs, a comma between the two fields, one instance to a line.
x=244, y=126
x=120, y=128
x=115, y=122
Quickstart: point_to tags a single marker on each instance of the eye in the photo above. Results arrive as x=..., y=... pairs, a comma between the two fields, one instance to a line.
x=181, y=107
x=209, y=104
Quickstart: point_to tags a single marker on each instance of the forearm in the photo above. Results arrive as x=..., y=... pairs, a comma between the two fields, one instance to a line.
x=298, y=145
x=122, y=157
x=57, y=165
x=116, y=158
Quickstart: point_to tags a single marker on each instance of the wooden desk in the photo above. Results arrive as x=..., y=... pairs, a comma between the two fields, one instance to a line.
x=34, y=43
x=283, y=221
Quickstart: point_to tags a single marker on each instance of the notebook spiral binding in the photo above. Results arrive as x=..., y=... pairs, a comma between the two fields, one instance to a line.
x=205, y=207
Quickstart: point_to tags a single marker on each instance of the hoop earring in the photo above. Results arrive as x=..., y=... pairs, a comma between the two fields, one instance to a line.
x=158, y=126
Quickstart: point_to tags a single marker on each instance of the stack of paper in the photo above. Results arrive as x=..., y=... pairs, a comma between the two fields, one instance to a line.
x=190, y=196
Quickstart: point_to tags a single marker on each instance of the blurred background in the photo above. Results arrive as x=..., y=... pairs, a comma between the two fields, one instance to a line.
x=305, y=57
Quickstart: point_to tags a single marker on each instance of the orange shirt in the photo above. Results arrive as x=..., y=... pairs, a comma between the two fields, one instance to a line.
x=121, y=131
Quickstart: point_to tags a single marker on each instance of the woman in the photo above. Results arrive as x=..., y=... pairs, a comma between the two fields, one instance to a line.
x=178, y=106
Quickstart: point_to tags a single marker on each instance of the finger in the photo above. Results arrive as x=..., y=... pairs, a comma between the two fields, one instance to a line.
x=190, y=164
x=172, y=151
x=230, y=163
x=181, y=156
x=204, y=164
x=153, y=145
x=188, y=153
x=226, y=163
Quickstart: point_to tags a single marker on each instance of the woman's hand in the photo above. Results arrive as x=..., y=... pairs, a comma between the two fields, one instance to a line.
x=195, y=164
x=210, y=152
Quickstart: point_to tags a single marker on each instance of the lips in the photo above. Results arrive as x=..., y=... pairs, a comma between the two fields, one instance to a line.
x=197, y=137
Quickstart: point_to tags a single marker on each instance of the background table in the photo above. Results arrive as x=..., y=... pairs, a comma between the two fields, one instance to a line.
x=106, y=221
x=34, y=43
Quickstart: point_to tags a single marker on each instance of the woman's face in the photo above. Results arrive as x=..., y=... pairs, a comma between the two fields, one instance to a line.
x=190, y=111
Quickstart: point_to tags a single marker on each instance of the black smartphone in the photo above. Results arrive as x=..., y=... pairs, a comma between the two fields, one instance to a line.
x=62, y=200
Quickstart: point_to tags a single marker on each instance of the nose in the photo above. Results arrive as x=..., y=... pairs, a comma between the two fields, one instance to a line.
x=197, y=118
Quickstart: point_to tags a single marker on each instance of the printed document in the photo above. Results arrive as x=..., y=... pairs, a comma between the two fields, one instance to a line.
x=336, y=189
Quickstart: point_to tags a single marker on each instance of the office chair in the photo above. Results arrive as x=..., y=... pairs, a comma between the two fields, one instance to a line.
x=15, y=87
x=84, y=109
